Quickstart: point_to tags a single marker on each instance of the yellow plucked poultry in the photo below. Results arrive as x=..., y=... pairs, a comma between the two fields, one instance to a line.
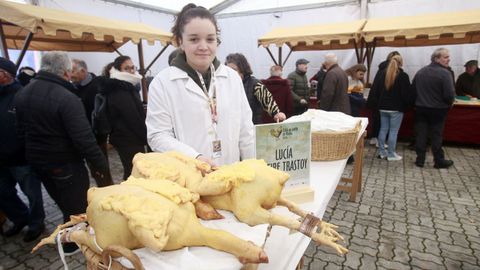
x=248, y=189
x=155, y=214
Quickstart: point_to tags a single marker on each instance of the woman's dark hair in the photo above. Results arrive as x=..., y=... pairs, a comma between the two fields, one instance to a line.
x=106, y=70
x=241, y=62
x=189, y=12
x=353, y=69
x=117, y=63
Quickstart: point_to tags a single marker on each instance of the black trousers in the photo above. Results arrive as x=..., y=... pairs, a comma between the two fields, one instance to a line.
x=107, y=177
x=126, y=154
x=429, y=121
x=375, y=123
x=67, y=184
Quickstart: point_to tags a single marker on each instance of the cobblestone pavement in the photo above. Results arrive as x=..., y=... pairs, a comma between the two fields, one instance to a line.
x=407, y=217
x=404, y=218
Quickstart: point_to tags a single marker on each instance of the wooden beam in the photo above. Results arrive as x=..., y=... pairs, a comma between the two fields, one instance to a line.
x=26, y=44
x=142, y=71
x=286, y=58
x=3, y=42
x=271, y=56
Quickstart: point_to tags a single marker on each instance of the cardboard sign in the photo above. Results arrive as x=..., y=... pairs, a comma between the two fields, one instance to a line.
x=286, y=147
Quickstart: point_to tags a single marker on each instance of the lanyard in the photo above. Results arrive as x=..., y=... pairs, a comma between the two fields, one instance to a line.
x=212, y=101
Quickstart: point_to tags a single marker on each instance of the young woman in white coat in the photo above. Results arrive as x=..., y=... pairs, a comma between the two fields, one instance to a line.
x=197, y=106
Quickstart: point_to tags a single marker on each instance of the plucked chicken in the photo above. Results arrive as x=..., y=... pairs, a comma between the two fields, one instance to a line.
x=155, y=214
x=248, y=189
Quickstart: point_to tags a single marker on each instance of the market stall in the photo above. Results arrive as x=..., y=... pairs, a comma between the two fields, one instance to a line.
x=27, y=27
x=332, y=36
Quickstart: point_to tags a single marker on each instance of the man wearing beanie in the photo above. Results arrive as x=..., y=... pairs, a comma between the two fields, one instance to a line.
x=299, y=85
x=13, y=165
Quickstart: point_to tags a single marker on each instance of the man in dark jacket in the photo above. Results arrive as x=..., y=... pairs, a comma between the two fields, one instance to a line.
x=299, y=84
x=13, y=166
x=88, y=85
x=468, y=83
x=334, y=95
x=435, y=95
x=57, y=135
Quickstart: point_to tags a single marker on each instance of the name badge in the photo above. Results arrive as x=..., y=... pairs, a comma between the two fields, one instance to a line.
x=217, y=149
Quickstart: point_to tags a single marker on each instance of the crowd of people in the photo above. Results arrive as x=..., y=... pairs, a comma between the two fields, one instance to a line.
x=197, y=106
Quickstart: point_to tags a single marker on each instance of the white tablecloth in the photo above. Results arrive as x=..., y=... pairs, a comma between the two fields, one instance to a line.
x=284, y=250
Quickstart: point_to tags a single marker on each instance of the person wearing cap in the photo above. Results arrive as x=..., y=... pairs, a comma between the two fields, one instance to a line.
x=468, y=83
x=299, y=86
x=25, y=75
x=334, y=96
x=13, y=165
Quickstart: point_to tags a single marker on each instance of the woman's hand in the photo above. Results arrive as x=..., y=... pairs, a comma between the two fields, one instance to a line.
x=279, y=117
x=207, y=160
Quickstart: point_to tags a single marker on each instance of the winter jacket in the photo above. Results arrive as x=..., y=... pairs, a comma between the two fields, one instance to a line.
x=334, y=95
x=299, y=83
x=433, y=85
x=281, y=94
x=12, y=149
x=468, y=84
x=259, y=99
x=52, y=121
x=125, y=113
x=398, y=98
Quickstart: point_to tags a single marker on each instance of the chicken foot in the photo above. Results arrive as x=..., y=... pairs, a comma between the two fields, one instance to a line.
x=327, y=235
x=74, y=220
x=325, y=227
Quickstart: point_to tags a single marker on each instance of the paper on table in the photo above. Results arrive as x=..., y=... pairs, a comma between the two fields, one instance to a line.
x=198, y=258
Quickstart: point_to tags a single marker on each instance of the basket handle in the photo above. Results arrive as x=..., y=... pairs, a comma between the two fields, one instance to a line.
x=116, y=251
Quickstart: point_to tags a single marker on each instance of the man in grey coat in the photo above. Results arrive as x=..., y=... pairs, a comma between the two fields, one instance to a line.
x=435, y=95
x=334, y=95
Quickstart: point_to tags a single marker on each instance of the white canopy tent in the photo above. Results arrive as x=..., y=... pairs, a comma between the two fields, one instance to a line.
x=260, y=17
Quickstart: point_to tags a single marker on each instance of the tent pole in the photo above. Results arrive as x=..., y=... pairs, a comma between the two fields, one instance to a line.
x=3, y=43
x=117, y=51
x=271, y=55
x=288, y=55
x=362, y=55
x=142, y=71
x=280, y=55
x=372, y=47
x=26, y=44
x=156, y=57
x=356, y=51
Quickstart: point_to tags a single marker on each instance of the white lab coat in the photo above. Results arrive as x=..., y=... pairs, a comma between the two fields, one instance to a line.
x=179, y=118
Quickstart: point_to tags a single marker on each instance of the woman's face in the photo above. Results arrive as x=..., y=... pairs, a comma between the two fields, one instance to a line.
x=199, y=42
x=235, y=67
x=128, y=66
x=359, y=75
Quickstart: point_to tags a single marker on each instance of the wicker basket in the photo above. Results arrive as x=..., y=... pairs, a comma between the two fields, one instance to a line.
x=97, y=261
x=334, y=145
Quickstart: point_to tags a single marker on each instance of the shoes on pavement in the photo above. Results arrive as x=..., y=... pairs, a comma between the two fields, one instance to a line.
x=380, y=156
x=443, y=164
x=419, y=164
x=31, y=235
x=14, y=230
x=394, y=158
